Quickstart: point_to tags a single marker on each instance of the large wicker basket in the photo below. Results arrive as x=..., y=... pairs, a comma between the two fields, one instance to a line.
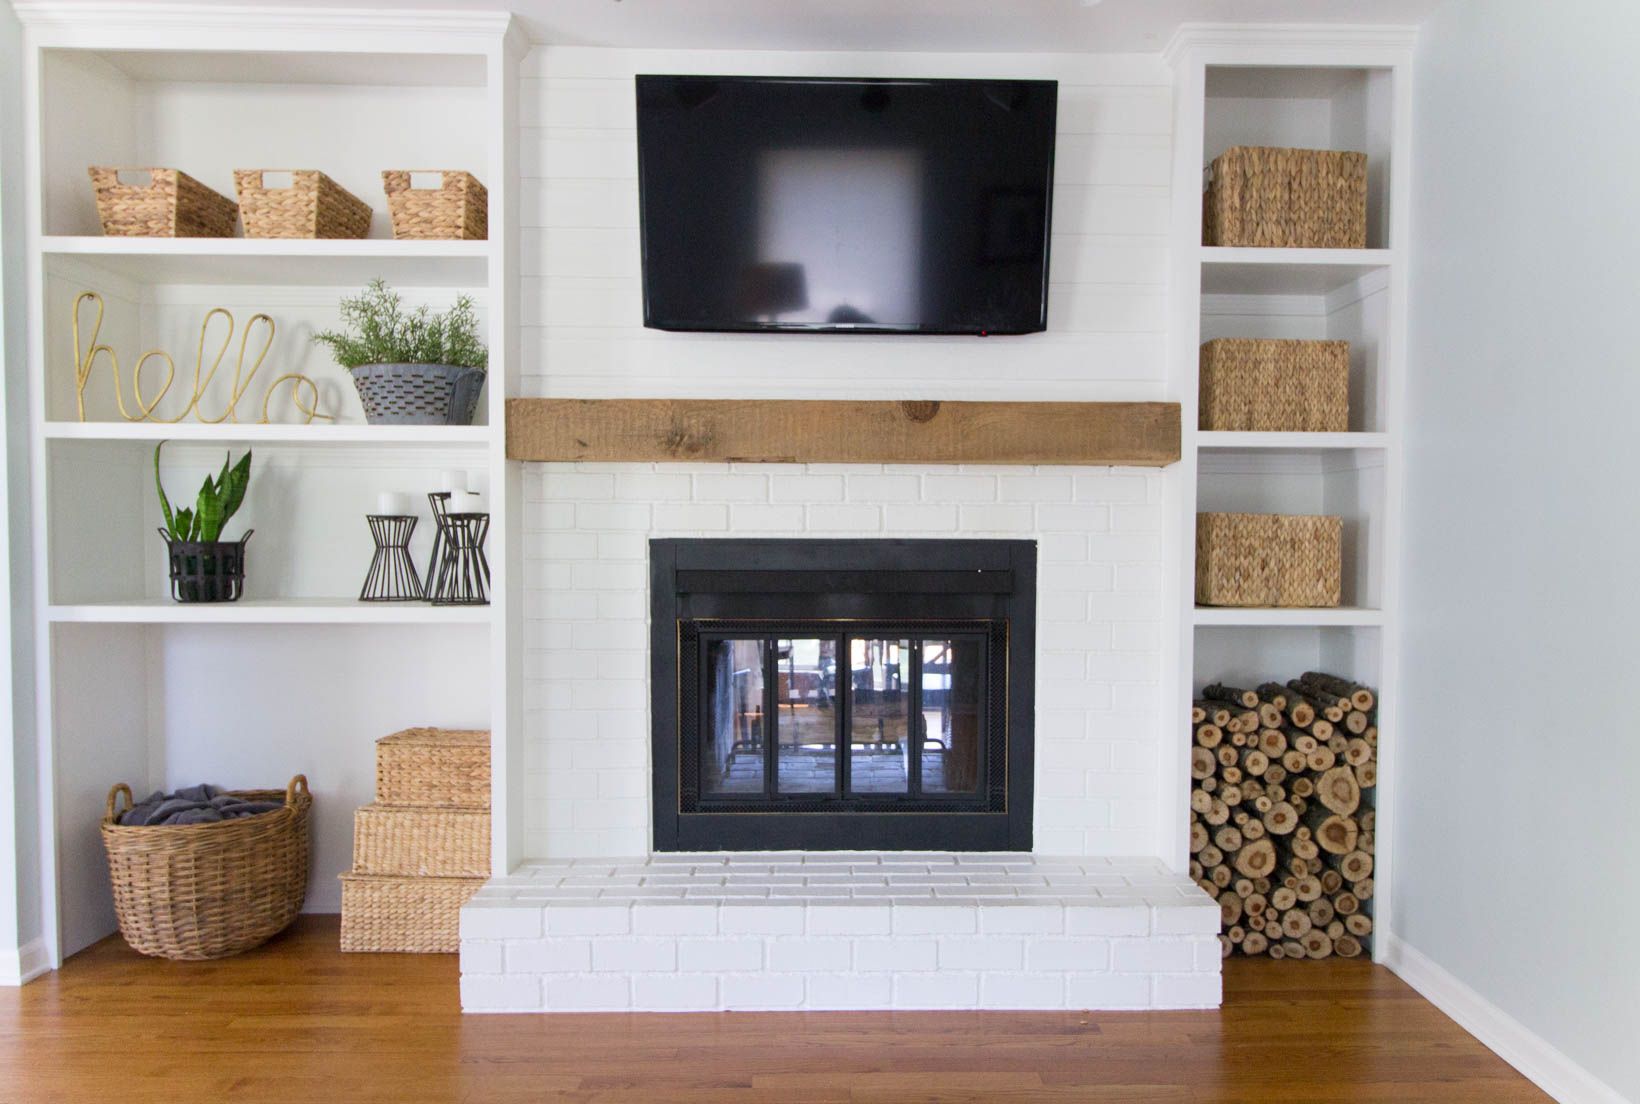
x=412, y=842
x=458, y=208
x=202, y=891
x=171, y=204
x=313, y=206
x=1297, y=198
x=1275, y=385
x=1268, y=560
x=436, y=767
x=409, y=915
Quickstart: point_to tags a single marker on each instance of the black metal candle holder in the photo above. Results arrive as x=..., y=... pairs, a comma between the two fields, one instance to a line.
x=392, y=576
x=439, y=502
x=463, y=577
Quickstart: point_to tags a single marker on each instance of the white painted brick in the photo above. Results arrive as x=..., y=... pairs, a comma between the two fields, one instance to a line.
x=1021, y=991
x=847, y=991
x=674, y=992
x=634, y=955
x=1106, y=488
x=652, y=485
x=1022, y=919
x=732, y=488
x=986, y=952
x=589, y=920
x=882, y=488
x=995, y=518
x=1034, y=488
x=1081, y=954
x=805, y=489
x=612, y=515
x=760, y=991
x=763, y=518
x=679, y=920
x=1187, y=991
x=499, y=993
x=844, y=518
x=581, y=993
x=1061, y=548
x=920, y=518
x=611, y=576
x=1192, y=918
x=692, y=517
x=1138, y=956
x=1078, y=518
x=1107, y=991
x=959, y=488
x=719, y=955
x=549, y=956
x=490, y=922
x=804, y=955
x=934, y=920
x=480, y=958
x=936, y=990
x=826, y=919
x=1136, y=578
x=761, y=920
x=576, y=485
x=897, y=955
x=1135, y=519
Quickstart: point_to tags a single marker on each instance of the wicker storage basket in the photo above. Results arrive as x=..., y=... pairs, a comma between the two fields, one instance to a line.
x=413, y=842
x=1262, y=384
x=1264, y=196
x=1268, y=560
x=436, y=767
x=313, y=206
x=171, y=204
x=410, y=915
x=458, y=208
x=201, y=891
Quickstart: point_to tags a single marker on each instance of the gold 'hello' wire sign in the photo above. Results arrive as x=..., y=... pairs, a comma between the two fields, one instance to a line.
x=304, y=393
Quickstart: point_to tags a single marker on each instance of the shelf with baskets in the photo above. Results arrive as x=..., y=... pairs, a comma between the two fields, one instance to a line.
x=278, y=262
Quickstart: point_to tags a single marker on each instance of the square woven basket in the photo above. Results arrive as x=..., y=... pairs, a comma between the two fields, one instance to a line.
x=458, y=208
x=1269, y=560
x=436, y=767
x=169, y=204
x=408, y=915
x=1286, y=198
x=313, y=206
x=1261, y=384
x=411, y=842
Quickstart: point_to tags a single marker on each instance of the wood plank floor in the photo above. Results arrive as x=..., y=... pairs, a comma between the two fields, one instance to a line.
x=298, y=1021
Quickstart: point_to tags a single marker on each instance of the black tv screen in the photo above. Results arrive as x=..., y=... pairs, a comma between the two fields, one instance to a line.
x=832, y=205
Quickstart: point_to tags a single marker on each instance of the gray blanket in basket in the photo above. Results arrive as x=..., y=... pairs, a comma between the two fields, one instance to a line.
x=202, y=804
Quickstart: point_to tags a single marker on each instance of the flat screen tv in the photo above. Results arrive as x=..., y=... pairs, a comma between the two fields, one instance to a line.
x=839, y=205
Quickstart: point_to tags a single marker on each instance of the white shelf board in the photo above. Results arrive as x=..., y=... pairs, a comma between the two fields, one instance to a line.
x=285, y=611
x=1289, y=442
x=316, y=434
x=290, y=262
x=1345, y=617
x=1228, y=270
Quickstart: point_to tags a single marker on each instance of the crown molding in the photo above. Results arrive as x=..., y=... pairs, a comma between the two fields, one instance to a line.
x=104, y=15
x=1301, y=38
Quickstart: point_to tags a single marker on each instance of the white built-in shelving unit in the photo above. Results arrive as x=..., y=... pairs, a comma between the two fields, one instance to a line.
x=299, y=676
x=1319, y=88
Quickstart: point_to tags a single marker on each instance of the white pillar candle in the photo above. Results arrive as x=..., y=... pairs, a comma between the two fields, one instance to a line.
x=465, y=502
x=390, y=504
x=453, y=481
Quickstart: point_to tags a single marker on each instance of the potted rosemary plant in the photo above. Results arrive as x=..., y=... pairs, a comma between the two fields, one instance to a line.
x=203, y=566
x=412, y=367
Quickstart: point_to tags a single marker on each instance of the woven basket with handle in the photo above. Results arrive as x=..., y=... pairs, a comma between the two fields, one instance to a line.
x=1286, y=198
x=159, y=203
x=313, y=206
x=202, y=891
x=458, y=208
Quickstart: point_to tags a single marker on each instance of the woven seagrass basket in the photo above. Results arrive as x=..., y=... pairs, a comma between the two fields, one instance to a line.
x=458, y=208
x=203, y=891
x=168, y=204
x=1273, y=385
x=408, y=915
x=434, y=767
x=1268, y=560
x=1286, y=198
x=414, y=842
x=313, y=206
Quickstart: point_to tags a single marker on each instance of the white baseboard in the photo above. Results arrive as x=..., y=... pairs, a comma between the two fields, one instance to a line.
x=24, y=964
x=1537, y=1060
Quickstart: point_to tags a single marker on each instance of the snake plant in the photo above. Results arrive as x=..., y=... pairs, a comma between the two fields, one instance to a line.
x=219, y=499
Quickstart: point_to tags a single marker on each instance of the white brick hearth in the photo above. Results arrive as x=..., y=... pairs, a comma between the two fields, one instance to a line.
x=839, y=930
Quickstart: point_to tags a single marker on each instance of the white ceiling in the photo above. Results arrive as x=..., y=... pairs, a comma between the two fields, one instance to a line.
x=935, y=25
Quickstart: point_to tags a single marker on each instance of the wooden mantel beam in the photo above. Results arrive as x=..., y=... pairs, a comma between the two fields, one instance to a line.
x=843, y=431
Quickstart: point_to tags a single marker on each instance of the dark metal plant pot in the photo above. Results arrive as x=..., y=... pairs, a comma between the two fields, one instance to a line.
x=206, y=571
x=418, y=394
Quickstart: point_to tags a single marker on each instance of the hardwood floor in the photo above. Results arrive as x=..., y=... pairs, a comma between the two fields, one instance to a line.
x=298, y=1021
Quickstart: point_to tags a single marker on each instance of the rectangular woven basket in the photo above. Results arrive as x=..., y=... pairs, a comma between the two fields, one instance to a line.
x=313, y=206
x=1268, y=560
x=407, y=915
x=411, y=842
x=436, y=767
x=1286, y=198
x=458, y=208
x=1271, y=385
x=171, y=204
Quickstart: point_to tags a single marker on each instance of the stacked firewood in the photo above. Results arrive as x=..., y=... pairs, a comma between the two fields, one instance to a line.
x=1281, y=814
